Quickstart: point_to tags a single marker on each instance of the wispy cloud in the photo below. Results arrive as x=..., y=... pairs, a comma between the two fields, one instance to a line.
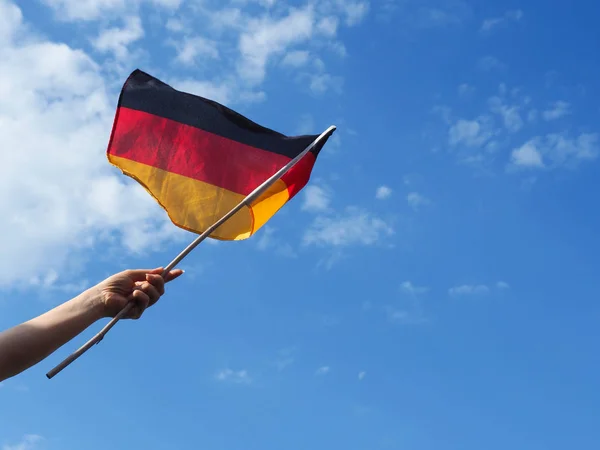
x=324, y=370
x=316, y=199
x=471, y=133
x=469, y=290
x=477, y=290
x=267, y=36
x=465, y=89
x=489, y=63
x=232, y=376
x=557, y=110
x=362, y=375
x=352, y=227
x=416, y=200
x=269, y=241
x=493, y=23
x=510, y=114
x=411, y=289
x=296, y=58
x=383, y=192
x=556, y=150
x=117, y=40
x=527, y=156
x=410, y=315
x=355, y=11
x=502, y=285
x=90, y=10
x=29, y=442
x=190, y=49
x=285, y=359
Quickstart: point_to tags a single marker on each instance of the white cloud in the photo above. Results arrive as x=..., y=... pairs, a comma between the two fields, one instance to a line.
x=527, y=156
x=232, y=376
x=352, y=12
x=322, y=82
x=416, y=200
x=29, y=442
x=489, y=63
x=564, y=150
x=265, y=238
x=502, y=285
x=189, y=49
x=510, y=114
x=362, y=375
x=465, y=89
x=471, y=133
x=515, y=14
x=353, y=227
x=468, y=289
x=319, y=81
x=445, y=113
x=268, y=241
x=11, y=19
x=556, y=150
x=271, y=35
x=556, y=111
x=76, y=10
x=285, y=358
x=117, y=40
x=411, y=289
x=328, y=26
x=267, y=36
x=355, y=12
x=297, y=58
x=322, y=370
x=383, y=192
x=175, y=25
x=316, y=199
x=495, y=22
x=306, y=124
x=59, y=194
x=410, y=315
x=532, y=115
x=425, y=14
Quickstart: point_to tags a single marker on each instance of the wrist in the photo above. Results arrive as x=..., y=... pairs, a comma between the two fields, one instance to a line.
x=93, y=304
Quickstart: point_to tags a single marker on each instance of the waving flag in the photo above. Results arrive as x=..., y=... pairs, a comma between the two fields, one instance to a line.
x=199, y=159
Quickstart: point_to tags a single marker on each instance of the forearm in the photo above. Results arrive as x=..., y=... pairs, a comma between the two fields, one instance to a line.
x=27, y=344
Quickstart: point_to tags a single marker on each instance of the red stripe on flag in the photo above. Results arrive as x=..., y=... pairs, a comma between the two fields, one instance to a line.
x=197, y=154
x=297, y=177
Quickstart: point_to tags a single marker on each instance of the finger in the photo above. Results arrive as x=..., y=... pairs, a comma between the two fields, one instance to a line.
x=140, y=274
x=176, y=273
x=151, y=291
x=157, y=281
x=142, y=300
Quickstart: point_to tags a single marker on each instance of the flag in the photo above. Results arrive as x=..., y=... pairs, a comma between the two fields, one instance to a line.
x=199, y=159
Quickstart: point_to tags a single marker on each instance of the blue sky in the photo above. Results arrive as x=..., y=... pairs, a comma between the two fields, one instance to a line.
x=434, y=287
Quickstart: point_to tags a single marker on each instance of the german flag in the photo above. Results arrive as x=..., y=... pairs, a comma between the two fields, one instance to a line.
x=200, y=159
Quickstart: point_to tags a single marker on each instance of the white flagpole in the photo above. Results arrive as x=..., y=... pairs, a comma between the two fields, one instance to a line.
x=246, y=202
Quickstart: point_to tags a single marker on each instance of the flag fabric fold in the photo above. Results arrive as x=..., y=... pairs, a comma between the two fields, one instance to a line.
x=199, y=159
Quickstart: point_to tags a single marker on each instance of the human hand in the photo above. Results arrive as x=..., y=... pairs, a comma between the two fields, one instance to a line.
x=142, y=286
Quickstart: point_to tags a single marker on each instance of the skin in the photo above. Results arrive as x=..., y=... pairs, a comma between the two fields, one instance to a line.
x=27, y=344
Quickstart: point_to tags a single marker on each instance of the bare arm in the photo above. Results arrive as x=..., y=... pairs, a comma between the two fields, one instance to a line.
x=30, y=342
